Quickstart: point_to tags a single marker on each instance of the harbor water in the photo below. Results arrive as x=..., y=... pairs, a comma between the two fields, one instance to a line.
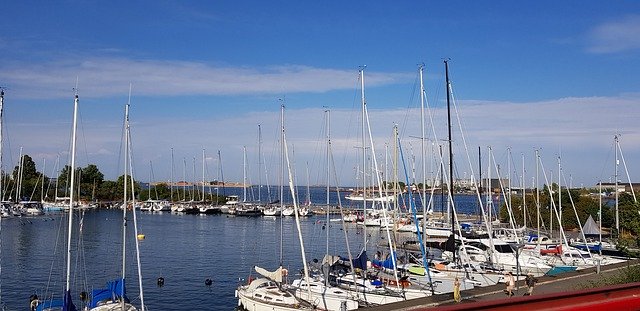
x=184, y=250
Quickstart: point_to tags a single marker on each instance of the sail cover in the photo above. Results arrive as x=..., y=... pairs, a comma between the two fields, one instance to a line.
x=275, y=275
x=389, y=263
x=68, y=305
x=360, y=262
x=590, y=227
x=113, y=291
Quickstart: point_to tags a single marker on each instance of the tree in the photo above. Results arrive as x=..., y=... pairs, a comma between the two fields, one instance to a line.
x=91, y=174
x=30, y=179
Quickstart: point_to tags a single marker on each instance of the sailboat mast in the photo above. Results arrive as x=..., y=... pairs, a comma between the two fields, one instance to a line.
x=150, y=170
x=327, y=113
x=71, y=195
x=1, y=110
x=184, y=179
x=364, y=152
x=171, y=181
x=616, y=188
x=244, y=173
x=203, y=159
x=446, y=66
x=538, y=195
x=480, y=179
x=1, y=193
x=600, y=217
x=194, y=187
x=124, y=206
x=282, y=158
x=423, y=150
x=259, y=162
x=524, y=196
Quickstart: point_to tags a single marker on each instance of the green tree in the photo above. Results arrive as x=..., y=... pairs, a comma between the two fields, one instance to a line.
x=31, y=179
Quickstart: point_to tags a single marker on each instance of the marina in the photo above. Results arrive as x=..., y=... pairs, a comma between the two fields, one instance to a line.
x=201, y=259
x=333, y=156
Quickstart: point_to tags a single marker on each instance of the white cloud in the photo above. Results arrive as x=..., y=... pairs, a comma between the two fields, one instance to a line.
x=100, y=77
x=580, y=129
x=617, y=36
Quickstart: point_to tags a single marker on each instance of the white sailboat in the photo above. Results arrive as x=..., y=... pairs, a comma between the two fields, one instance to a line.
x=66, y=302
x=270, y=293
x=113, y=297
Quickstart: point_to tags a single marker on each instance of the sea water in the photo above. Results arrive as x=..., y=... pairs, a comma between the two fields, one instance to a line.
x=184, y=250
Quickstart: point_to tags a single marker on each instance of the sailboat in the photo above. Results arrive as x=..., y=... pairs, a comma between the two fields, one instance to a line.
x=113, y=297
x=66, y=303
x=270, y=292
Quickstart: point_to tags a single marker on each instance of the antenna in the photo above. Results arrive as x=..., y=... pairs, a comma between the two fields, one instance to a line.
x=75, y=89
x=129, y=99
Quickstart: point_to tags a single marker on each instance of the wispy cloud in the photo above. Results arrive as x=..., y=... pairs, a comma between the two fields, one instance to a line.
x=101, y=77
x=616, y=36
x=579, y=129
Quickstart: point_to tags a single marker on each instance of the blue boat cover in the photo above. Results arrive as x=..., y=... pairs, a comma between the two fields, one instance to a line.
x=65, y=304
x=389, y=263
x=360, y=261
x=114, y=291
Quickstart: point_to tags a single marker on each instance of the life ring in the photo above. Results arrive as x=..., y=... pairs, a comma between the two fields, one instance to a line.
x=34, y=304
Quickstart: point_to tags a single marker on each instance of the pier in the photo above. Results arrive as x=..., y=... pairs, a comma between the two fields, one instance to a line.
x=564, y=291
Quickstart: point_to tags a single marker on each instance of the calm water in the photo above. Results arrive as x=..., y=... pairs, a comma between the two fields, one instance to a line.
x=183, y=249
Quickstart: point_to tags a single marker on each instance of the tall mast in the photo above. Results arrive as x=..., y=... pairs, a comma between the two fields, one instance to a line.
x=1, y=193
x=479, y=176
x=538, y=195
x=446, y=66
x=559, y=195
x=133, y=211
x=184, y=179
x=327, y=113
x=71, y=194
x=171, y=182
x=600, y=218
x=423, y=151
x=364, y=151
x=244, y=173
x=259, y=162
x=150, y=177
x=193, y=186
x=203, y=180
x=20, y=169
x=1, y=125
x=126, y=166
x=524, y=196
x=616, y=188
x=282, y=162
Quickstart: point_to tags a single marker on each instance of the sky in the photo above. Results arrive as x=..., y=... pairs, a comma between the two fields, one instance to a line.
x=559, y=79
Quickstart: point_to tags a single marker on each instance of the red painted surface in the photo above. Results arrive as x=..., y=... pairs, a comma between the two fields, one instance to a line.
x=616, y=297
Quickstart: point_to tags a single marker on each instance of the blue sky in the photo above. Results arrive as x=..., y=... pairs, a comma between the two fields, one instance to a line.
x=562, y=77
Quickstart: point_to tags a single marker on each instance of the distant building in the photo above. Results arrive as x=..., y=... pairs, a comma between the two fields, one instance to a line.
x=611, y=187
x=622, y=187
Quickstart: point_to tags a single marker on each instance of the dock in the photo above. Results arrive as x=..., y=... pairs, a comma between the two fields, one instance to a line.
x=567, y=284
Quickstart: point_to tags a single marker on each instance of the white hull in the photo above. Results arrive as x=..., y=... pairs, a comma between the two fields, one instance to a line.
x=325, y=297
x=114, y=306
x=264, y=295
x=355, y=197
